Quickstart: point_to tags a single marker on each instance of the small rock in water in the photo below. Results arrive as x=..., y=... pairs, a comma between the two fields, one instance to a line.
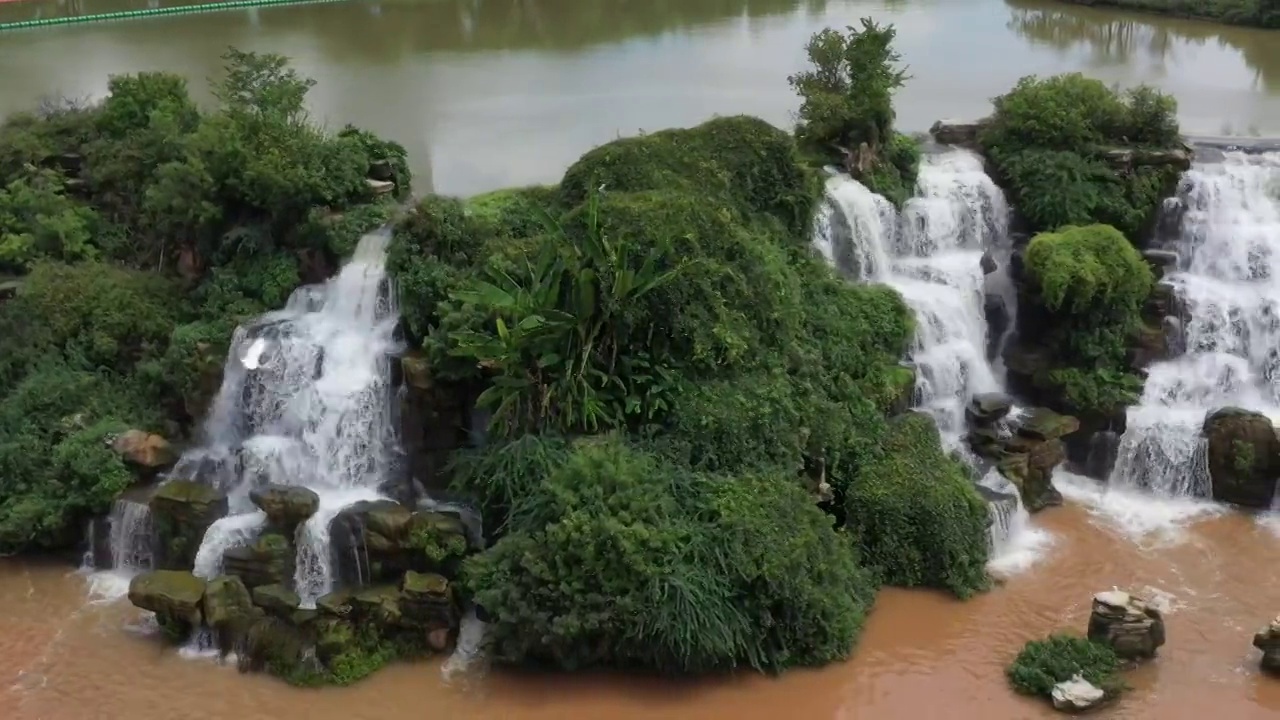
x=1268, y=641
x=1128, y=624
x=986, y=409
x=1076, y=695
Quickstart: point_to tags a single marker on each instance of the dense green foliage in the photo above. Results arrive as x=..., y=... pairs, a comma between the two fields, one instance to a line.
x=1054, y=143
x=1251, y=13
x=621, y=559
x=144, y=229
x=1088, y=284
x=846, y=110
x=916, y=514
x=672, y=371
x=1044, y=663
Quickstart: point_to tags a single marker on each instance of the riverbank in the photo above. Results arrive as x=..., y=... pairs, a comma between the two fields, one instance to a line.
x=1245, y=13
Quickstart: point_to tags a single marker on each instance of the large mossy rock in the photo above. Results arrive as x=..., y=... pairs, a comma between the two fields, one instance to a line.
x=176, y=597
x=389, y=539
x=182, y=510
x=1127, y=624
x=226, y=599
x=1026, y=448
x=286, y=506
x=427, y=601
x=1244, y=457
x=269, y=560
x=276, y=600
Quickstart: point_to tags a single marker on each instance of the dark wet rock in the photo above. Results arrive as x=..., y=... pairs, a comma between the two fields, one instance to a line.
x=988, y=263
x=277, y=600
x=1044, y=424
x=1268, y=641
x=1128, y=624
x=417, y=371
x=959, y=132
x=1244, y=457
x=286, y=506
x=986, y=409
x=176, y=597
x=181, y=512
x=269, y=560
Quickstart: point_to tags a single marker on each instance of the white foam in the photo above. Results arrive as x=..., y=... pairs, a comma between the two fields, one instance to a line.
x=1139, y=515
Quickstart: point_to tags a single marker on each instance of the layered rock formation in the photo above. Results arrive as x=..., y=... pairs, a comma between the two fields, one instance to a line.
x=1025, y=448
x=1127, y=624
x=392, y=564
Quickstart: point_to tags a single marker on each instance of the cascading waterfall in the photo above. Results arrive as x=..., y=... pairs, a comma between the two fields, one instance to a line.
x=1228, y=287
x=130, y=523
x=932, y=254
x=306, y=401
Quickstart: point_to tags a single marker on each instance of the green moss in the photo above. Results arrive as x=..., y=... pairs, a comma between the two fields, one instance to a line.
x=1087, y=287
x=1044, y=663
x=914, y=514
x=516, y=213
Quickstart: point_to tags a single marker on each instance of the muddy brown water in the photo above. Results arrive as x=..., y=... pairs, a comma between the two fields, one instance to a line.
x=922, y=655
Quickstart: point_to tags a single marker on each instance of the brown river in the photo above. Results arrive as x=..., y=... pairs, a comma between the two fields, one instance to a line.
x=491, y=93
x=65, y=656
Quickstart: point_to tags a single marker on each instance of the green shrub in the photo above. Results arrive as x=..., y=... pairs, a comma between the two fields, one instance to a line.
x=1049, y=141
x=1088, y=285
x=847, y=101
x=38, y=221
x=1044, y=663
x=626, y=561
x=914, y=514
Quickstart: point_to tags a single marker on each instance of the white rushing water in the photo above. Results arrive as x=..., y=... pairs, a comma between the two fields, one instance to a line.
x=305, y=400
x=1228, y=285
x=931, y=253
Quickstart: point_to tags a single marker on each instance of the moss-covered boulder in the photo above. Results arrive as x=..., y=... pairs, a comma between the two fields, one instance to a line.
x=1044, y=424
x=1244, y=457
x=182, y=510
x=176, y=597
x=269, y=560
x=277, y=600
x=437, y=540
x=427, y=601
x=226, y=599
x=915, y=514
x=379, y=604
x=335, y=604
x=286, y=506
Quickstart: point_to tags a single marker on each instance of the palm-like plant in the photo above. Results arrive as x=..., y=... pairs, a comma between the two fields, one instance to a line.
x=555, y=349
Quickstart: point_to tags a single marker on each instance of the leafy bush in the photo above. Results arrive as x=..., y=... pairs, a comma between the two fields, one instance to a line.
x=38, y=221
x=1087, y=285
x=1044, y=663
x=1049, y=141
x=626, y=561
x=914, y=514
x=847, y=101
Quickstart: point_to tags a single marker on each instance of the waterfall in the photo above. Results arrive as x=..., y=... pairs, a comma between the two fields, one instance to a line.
x=932, y=254
x=130, y=525
x=1227, y=284
x=305, y=400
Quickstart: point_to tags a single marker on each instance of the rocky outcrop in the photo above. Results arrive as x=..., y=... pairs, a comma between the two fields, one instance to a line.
x=378, y=541
x=286, y=506
x=1125, y=160
x=433, y=423
x=181, y=512
x=276, y=600
x=145, y=451
x=1128, y=624
x=1268, y=641
x=1244, y=457
x=959, y=132
x=1025, y=448
x=269, y=560
x=226, y=599
x=1076, y=695
x=176, y=597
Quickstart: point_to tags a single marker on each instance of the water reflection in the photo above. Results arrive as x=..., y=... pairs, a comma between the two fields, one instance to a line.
x=1112, y=39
